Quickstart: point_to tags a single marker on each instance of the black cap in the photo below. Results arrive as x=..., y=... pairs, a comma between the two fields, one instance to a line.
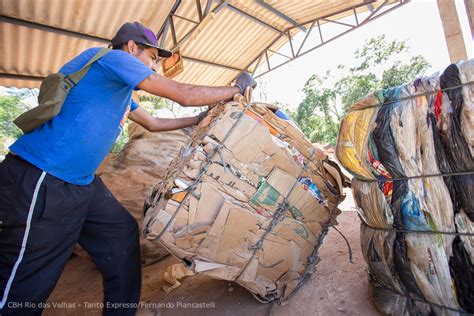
x=140, y=34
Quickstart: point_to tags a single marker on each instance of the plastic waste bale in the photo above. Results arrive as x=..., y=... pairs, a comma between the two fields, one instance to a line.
x=410, y=151
x=249, y=199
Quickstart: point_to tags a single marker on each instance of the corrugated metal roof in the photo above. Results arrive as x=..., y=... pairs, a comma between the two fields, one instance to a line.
x=99, y=18
x=38, y=37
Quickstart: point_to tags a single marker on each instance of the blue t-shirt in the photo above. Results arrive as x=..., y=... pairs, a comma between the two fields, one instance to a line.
x=72, y=145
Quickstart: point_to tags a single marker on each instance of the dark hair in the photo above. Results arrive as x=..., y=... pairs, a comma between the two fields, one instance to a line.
x=121, y=45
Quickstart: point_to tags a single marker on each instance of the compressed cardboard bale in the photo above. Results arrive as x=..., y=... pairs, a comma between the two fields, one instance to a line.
x=247, y=200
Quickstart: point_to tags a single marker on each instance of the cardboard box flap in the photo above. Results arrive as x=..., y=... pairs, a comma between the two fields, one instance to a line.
x=229, y=273
x=281, y=181
x=307, y=204
x=299, y=198
x=275, y=257
x=267, y=197
x=221, y=126
x=227, y=235
x=201, y=266
x=181, y=217
x=226, y=177
x=251, y=140
x=210, y=244
x=209, y=204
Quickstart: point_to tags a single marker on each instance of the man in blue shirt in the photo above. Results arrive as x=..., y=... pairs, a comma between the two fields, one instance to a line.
x=50, y=198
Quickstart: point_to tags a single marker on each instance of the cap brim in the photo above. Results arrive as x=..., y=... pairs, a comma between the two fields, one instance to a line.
x=162, y=52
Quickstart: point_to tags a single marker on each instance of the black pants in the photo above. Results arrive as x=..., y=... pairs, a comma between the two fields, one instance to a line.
x=41, y=220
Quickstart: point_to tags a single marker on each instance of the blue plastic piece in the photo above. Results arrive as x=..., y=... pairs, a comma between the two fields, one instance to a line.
x=282, y=115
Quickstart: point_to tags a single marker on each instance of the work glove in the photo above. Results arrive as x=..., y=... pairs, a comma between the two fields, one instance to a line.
x=245, y=80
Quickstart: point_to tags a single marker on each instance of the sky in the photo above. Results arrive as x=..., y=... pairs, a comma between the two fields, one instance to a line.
x=418, y=22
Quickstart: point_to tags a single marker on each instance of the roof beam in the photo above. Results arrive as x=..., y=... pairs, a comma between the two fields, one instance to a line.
x=53, y=29
x=374, y=12
x=280, y=14
x=172, y=29
x=20, y=76
x=338, y=22
x=196, y=60
x=305, y=38
x=278, y=53
x=164, y=31
x=355, y=16
x=199, y=9
x=185, y=19
x=164, y=26
x=207, y=8
x=316, y=23
x=251, y=17
x=180, y=41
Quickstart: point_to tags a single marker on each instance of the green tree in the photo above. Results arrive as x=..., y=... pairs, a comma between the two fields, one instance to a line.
x=10, y=108
x=150, y=103
x=317, y=113
x=379, y=65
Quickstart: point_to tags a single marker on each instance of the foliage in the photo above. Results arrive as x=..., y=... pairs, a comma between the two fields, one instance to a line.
x=121, y=141
x=315, y=114
x=10, y=108
x=148, y=102
x=379, y=64
x=152, y=103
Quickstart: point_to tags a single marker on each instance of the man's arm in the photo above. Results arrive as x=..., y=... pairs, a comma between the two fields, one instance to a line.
x=155, y=124
x=186, y=94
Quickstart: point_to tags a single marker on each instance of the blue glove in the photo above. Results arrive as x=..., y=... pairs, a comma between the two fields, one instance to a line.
x=245, y=80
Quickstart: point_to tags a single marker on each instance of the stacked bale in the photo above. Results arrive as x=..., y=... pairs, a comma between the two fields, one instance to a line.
x=410, y=149
x=248, y=199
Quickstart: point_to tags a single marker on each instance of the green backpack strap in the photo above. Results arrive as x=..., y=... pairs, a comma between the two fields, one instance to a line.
x=53, y=92
x=75, y=77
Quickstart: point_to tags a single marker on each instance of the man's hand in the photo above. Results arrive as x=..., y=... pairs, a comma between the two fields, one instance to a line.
x=245, y=80
x=201, y=115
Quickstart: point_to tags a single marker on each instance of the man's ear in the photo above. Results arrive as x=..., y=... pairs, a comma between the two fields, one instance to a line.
x=131, y=46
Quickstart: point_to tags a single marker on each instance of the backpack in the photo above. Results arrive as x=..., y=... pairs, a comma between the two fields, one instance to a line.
x=53, y=92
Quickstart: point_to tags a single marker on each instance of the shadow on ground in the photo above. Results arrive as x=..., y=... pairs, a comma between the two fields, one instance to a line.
x=338, y=287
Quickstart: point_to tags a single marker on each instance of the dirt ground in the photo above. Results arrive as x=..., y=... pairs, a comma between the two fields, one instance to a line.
x=338, y=287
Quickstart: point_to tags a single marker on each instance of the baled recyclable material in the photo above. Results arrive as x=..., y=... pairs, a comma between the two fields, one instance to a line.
x=236, y=203
x=410, y=151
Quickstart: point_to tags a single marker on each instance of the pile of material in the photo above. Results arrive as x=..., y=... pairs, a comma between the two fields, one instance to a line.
x=130, y=175
x=410, y=149
x=249, y=199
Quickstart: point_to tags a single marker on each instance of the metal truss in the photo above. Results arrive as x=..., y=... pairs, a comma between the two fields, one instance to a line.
x=297, y=50
x=263, y=58
x=168, y=28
